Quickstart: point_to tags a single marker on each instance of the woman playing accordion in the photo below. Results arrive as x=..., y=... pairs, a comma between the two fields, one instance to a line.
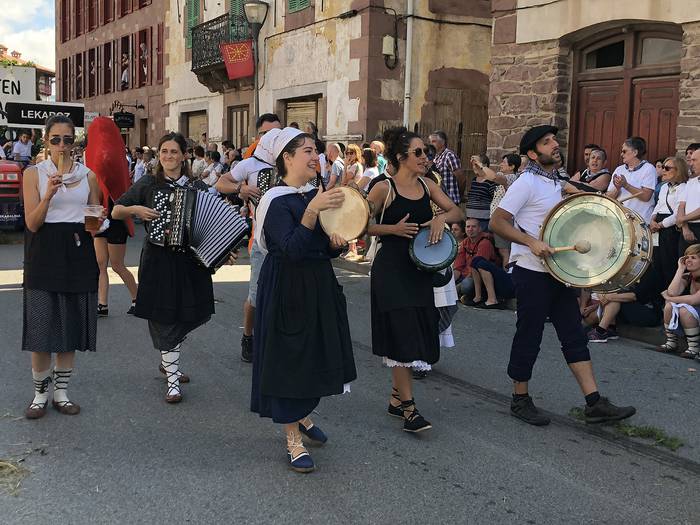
x=175, y=293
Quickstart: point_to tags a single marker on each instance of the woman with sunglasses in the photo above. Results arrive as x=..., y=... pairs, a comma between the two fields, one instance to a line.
x=60, y=268
x=405, y=321
x=663, y=221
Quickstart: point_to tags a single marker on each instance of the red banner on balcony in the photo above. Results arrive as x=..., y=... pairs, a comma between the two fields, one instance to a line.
x=238, y=57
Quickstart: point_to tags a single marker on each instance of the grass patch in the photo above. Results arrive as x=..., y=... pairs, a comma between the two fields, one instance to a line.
x=655, y=434
x=11, y=476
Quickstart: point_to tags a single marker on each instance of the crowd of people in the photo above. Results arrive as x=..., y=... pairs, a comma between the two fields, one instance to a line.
x=282, y=182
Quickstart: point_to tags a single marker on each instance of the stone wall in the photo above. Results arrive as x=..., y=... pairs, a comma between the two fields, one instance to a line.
x=689, y=91
x=530, y=84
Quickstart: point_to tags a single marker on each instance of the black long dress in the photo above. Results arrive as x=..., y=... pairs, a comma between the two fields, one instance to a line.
x=404, y=317
x=302, y=340
x=175, y=293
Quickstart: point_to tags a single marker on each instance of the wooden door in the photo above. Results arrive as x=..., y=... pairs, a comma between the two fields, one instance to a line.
x=602, y=119
x=655, y=115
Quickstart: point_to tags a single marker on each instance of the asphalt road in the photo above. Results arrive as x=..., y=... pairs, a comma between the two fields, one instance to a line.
x=131, y=458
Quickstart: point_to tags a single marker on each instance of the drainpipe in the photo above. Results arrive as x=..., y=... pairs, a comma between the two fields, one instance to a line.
x=409, y=61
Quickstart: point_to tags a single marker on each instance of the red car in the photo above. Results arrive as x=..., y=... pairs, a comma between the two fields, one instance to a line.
x=11, y=198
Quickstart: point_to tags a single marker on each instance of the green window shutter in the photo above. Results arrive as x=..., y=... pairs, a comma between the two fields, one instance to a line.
x=192, y=19
x=297, y=5
x=239, y=26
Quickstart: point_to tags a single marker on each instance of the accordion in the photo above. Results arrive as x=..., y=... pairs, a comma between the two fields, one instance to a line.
x=198, y=222
x=265, y=181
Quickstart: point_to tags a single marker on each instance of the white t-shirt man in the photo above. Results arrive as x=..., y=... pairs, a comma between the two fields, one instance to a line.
x=643, y=176
x=529, y=199
x=211, y=173
x=691, y=196
x=247, y=170
x=23, y=150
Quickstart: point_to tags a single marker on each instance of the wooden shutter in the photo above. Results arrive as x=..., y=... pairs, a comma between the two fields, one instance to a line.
x=159, y=55
x=192, y=19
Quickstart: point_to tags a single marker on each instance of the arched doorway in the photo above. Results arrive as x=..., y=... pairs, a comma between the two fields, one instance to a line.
x=626, y=83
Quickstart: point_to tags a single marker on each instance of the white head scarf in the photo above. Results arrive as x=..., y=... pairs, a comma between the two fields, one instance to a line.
x=272, y=149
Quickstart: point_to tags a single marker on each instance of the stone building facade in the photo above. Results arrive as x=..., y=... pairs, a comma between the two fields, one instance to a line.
x=601, y=71
x=113, y=50
x=324, y=61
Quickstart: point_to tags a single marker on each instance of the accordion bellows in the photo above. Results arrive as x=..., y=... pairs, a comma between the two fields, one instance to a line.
x=198, y=222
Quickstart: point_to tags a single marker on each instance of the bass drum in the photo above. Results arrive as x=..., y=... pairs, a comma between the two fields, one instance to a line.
x=621, y=243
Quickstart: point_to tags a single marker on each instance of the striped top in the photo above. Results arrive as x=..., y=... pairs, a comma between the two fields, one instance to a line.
x=479, y=199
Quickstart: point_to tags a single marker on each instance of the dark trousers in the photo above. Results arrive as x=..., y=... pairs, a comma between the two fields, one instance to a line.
x=666, y=254
x=683, y=244
x=540, y=295
x=501, y=280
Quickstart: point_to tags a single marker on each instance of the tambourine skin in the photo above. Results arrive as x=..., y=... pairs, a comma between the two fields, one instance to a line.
x=432, y=257
x=621, y=244
x=350, y=220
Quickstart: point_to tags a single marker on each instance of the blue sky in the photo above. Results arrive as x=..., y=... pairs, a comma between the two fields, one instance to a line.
x=28, y=27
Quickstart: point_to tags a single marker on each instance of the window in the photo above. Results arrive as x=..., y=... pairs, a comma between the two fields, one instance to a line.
x=238, y=117
x=79, y=76
x=107, y=67
x=660, y=51
x=124, y=7
x=79, y=22
x=92, y=72
x=65, y=25
x=612, y=55
x=192, y=20
x=159, y=55
x=108, y=13
x=144, y=57
x=239, y=24
x=65, y=76
x=297, y=5
x=125, y=63
x=92, y=15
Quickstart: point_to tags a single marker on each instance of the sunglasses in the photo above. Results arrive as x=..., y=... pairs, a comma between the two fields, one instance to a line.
x=68, y=140
x=666, y=167
x=419, y=152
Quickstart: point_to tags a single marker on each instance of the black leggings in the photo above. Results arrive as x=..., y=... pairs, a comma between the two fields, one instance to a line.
x=540, y=295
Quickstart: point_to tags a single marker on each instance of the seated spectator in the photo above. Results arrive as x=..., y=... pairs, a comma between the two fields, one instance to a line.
x=458, y=230
x=596, y=175
x=682, y=309
x=640, y=305
x=480, y=193
x=477, y=267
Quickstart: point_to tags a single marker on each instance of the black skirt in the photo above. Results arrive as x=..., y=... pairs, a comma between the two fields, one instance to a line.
x=60, y=289
x=302, y=343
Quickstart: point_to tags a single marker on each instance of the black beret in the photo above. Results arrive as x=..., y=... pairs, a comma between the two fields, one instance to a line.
x=532, y=135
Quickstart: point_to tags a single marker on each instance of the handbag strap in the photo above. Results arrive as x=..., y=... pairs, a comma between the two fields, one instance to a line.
x=388, y=193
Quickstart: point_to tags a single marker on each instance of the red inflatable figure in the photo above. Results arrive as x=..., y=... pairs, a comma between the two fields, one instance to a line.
x=105, y=156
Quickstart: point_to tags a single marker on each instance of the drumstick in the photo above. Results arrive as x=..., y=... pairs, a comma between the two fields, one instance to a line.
x=580, y=247
x=633, y=196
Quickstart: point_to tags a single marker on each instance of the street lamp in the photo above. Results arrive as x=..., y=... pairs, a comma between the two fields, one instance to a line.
x=255, y=14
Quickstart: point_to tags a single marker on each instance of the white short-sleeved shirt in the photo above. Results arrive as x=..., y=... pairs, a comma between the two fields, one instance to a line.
x=644, y=176
x=529, y=199
x=372, y=173
x=247, y=170
x=691, y=196
x=23, y=150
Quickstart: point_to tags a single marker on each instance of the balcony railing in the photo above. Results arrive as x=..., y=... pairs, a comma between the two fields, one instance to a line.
x=207, y=36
